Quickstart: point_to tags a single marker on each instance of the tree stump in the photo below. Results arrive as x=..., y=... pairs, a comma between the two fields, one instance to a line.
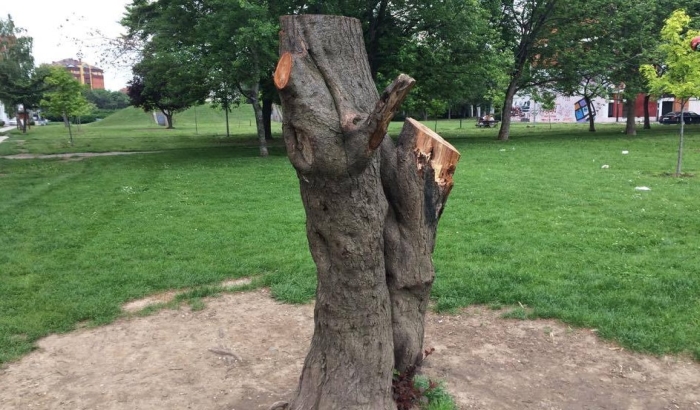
x=372, y=209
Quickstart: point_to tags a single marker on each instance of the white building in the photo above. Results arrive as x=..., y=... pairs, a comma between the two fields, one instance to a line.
x=3, y=114
x=575, y=109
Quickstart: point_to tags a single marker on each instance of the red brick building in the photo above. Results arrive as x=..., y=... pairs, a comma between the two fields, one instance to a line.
x=85, y=73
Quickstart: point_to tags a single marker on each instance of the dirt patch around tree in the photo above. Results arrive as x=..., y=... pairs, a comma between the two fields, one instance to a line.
x=245, y=351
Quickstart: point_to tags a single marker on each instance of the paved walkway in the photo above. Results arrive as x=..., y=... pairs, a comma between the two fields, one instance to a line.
x=5, y=129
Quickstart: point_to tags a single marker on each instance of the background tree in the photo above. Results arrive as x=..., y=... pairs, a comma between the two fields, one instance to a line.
x=233, y=43
x=241, y=51
x=169, y=82
x=524, y=27
x=681, y=68
x=583, y=58
x=634, y=34
x=106, y=99
x=64, y=97
x=21, y=83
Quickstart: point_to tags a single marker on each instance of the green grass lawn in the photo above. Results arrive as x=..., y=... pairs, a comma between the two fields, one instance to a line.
x=535, y=221
x=132, y=129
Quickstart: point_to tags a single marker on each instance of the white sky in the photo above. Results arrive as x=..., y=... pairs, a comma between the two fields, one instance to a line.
x=54, y=23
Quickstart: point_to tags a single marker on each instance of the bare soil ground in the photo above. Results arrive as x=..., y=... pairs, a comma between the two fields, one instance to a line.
x=245, y=351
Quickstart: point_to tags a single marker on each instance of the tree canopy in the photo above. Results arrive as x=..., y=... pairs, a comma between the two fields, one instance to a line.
x=168, y=82
x=21, y=83
x=479, y=52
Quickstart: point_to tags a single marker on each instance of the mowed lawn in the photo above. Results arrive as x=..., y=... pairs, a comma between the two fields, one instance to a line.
x=536, y=222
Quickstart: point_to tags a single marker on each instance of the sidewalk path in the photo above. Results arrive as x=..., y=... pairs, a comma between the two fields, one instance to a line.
x=5, y=129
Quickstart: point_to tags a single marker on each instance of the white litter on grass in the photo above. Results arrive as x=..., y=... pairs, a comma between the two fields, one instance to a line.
x=625, y=152
x=503, y=150
x=605, y=166
x=642, y=188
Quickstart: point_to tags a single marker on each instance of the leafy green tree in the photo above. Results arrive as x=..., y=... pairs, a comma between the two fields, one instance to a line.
x=234, y=43
x=524, y=26
x=634, y=31
x=240, y=53
x=450, y=47
x=680, y=73
x=107, y=100
x=169, y=82
x=64, y=97
x=583, y=58
x=21, y=83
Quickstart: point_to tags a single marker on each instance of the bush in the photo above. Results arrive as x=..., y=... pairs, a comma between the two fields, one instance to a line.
x=85, y=119
x=54, y=118
x=2, y=123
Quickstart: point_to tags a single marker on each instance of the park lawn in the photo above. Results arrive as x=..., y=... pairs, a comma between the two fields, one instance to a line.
x=131, y=129
x=535, y=221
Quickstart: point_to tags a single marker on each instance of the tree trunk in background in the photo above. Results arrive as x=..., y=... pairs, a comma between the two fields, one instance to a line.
x=647, y=124
x=371, y=207
x=679, y=162
x=591, y=117
x=631, y=126
x=257, y=109
x=504, y=131
x=168, y=119
x=70, y=130
x=267, y=117
x=227, y=108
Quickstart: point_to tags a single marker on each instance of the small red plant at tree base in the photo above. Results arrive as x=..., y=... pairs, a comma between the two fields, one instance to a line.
x=406, y=394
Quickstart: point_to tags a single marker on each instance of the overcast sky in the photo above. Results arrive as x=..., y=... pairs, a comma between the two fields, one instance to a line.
x=54, y=23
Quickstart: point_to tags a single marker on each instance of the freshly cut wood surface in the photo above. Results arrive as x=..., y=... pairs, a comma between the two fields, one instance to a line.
x=283, y=70
x=442, y=156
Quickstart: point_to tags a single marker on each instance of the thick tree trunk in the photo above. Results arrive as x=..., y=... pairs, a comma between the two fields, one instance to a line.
x=630, y=126
x=371, y=211
x=417, y=178
x=504, y=131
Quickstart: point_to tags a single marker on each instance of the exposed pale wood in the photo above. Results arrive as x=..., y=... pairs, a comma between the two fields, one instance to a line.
x=442, y=155
x=283, y=70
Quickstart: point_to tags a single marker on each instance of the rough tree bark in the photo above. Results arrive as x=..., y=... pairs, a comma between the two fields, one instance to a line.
x=372, y=209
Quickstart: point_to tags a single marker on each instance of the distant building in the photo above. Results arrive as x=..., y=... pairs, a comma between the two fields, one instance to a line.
x=3, y=115
x=87, y=74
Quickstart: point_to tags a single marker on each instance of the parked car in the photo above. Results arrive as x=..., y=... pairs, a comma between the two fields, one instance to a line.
x=12, y=121
x=689, y=117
